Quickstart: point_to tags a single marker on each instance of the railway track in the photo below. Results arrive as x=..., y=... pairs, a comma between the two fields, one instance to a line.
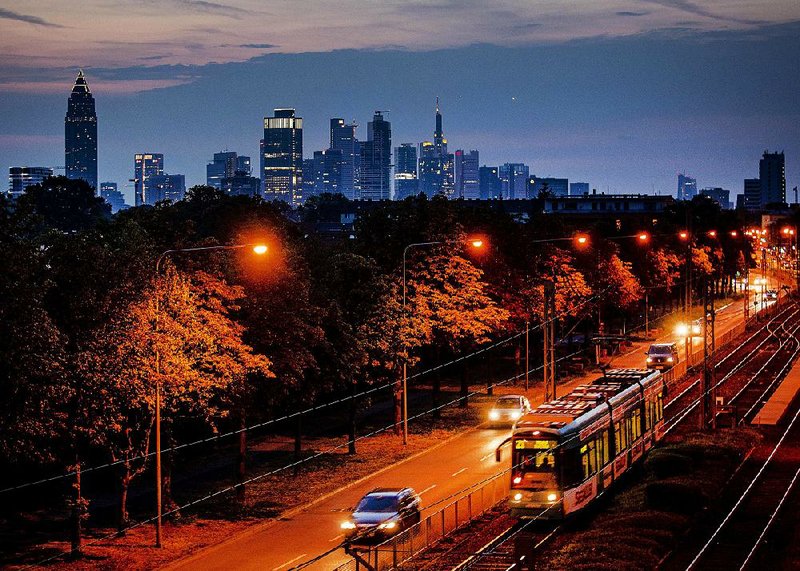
x=746, y=374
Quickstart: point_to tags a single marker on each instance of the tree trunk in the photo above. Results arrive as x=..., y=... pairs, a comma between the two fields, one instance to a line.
x=351, y=435
x=298, y=442
x=464, y=385
x=122, y=508
x=167, y=459
x=437, y=385
x=76, y=515
x=397, y=399
x=241, y=470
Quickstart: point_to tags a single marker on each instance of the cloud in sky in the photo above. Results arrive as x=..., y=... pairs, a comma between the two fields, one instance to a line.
x=9, y=15
x=112, y=33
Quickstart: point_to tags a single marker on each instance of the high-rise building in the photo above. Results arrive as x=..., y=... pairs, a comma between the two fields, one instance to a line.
x=109, y=192
x=578, y=188
x=282, y=156
x=376, y=159
x=467, y=181
x=687, y=187
x=514, y=180
x=771, y=172
x=80, y=134
x=752, y=194
x=554, y=186
x=327, y=175
x=405, y=171
x=343, y=139
x=241, y=184
x=20, y=178
x=145, y=166
x=308, y=178
x=436, y=165
x=170, y=187
x=489, y=178
x=227, y=164
x=719, y=195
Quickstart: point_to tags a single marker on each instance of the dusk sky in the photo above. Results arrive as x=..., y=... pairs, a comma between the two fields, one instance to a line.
x=622, y=94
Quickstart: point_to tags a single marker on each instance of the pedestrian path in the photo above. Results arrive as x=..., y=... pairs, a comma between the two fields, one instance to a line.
x=776, y=406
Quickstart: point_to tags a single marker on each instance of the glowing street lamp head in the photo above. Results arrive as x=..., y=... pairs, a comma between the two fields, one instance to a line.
x=682, y=330
x=712, y=233
x=260, y=249
x=581, y=239
x=684, y=235
x=734, y=233
x=643, y=237
x=476, y=243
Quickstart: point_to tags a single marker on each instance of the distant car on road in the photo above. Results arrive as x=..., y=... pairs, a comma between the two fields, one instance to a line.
x=382, y=513
x=771, y=295
x=508, y=409
x=662, y=356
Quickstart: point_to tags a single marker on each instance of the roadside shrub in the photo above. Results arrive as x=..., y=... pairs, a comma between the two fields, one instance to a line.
x=665, y=464
x=675, y=497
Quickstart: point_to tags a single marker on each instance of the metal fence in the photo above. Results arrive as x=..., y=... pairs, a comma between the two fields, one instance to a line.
x=432, y=528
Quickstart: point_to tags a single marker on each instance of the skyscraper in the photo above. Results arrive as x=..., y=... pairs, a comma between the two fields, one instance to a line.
x=226, y=164
x=343, y=139
x=327, y=173
x=489, y=178
x=554, y=186
x=405, y=171
x=687, y=187
x=282, y=174
x=467, y=182
x=170, y=187
x=720, y=195
x=20, y=178
x=771, y=171
x=109, y=192
x=514, y=180
x=376, y=159
x=436, y=165
x=145, y=166
x=80, y=134
x=752, y=194
x=578, y=188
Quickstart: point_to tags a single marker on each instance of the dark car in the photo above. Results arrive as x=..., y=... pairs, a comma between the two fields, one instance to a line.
x=381, y=513
x=662, y=356
x=771, y=295
x=508, y=409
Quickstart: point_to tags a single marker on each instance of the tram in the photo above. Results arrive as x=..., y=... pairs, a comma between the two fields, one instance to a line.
x=566, y=452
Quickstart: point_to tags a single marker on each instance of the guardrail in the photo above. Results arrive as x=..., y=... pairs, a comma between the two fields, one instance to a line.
x=432, y=528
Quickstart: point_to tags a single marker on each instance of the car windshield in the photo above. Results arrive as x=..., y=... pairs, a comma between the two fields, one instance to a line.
x=662, y=350
x=507, y=403
x=377, y=504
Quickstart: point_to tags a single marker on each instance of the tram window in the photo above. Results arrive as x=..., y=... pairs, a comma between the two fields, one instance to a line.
x=660, y=406
x=648, y=414
x=620, y=436
x=589, y=458
x=603, y=443
x=530, y=461
x=636, y=425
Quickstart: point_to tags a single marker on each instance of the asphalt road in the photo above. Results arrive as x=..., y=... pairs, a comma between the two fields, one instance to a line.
x=435, y=474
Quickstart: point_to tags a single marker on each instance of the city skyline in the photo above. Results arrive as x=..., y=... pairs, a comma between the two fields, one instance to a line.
x=658, y=100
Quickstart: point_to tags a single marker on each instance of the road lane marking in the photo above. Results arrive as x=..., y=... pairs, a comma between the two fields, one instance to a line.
x=457, y=473
x=279, y=567
x=428, y=489
x=337, y=538
x=489, y=455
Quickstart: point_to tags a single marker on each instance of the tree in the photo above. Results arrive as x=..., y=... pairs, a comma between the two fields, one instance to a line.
x=62, y=204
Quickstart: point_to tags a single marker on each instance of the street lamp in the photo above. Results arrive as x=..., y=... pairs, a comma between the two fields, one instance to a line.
x=258, y=249
x=476, y=243
x=685, y=330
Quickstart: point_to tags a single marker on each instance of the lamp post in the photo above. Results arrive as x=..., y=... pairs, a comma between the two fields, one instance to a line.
x=476, y=243
x=259, y=249
x=685, y=330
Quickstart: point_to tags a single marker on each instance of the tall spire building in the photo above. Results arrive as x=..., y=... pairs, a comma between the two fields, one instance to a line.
x=436, y=174
x=80, y=134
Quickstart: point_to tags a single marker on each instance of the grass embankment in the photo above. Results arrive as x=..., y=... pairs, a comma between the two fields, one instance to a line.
x=641, y=524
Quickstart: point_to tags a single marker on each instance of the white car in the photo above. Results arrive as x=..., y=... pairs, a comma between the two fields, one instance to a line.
x=508, y=409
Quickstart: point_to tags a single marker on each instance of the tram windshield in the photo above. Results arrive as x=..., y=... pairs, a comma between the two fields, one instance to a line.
x=532, y=456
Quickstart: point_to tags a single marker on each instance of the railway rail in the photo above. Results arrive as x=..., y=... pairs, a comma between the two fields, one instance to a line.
x=746, y=374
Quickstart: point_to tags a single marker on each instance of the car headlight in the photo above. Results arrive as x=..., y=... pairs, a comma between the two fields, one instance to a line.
x=517, y=497
x=516, y=414
x=669, y=359
x=388, y=525
x=649, y=359
x=552, y=496
x=348, y=525
x=494, y=415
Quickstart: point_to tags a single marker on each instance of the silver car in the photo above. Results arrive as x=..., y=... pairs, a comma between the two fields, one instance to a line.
x=381, y=513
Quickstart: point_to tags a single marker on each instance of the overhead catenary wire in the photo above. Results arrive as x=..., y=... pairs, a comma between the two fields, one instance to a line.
x=290, y=416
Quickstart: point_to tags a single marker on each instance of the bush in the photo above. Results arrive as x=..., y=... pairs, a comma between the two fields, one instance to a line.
x=665, y=464
x=675, y=497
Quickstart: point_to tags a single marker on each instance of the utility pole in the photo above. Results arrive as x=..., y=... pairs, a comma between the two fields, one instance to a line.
x=708, y=401
x=549, y=341
x=746, y=294
x=527, y=354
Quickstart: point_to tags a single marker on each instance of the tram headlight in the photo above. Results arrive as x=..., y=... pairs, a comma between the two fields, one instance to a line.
x=517, y=479
x=494, y=415
x=517, y=497
x=348, y=525
x=552, y=496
